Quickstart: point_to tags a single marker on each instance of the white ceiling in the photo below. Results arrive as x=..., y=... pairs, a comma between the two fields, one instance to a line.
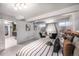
x=32, y=10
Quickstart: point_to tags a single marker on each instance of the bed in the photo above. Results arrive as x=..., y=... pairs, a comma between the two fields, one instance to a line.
x=37, y=48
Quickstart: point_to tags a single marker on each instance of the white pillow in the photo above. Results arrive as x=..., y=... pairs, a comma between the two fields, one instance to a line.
x=76, y=39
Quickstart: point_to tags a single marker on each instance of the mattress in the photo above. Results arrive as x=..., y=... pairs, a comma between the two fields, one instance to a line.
x=37, y=48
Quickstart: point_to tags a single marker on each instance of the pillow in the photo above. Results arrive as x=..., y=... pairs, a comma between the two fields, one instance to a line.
x=76, y=39
x=70, y=37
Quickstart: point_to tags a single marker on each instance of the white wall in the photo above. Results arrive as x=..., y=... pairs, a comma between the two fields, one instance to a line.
x=76, y=21
x=22, y=34
x=2, y=37
x=10, y=42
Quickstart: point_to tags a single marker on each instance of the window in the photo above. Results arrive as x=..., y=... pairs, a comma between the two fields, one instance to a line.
x=65, y=23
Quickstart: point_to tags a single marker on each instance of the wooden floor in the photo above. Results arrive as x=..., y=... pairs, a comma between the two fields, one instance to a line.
x=38, y=48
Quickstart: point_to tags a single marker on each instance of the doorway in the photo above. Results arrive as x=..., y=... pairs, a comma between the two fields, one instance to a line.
x=10, y=33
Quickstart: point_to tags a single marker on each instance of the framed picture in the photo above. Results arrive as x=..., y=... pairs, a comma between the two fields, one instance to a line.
x=27, y=27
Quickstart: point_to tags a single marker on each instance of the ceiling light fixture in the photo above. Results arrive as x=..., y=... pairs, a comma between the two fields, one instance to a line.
x=20, y=6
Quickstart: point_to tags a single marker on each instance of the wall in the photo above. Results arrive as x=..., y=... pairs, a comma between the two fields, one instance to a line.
x=10, y=42
x=2, y=37
x=22, y=34
x=76, y=21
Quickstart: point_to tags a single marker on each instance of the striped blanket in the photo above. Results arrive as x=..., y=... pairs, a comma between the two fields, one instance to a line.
x=37, y=48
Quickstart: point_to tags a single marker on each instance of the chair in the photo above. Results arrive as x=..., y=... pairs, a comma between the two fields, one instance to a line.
x=42, y=36
x=57, y=46
x=68, y=49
